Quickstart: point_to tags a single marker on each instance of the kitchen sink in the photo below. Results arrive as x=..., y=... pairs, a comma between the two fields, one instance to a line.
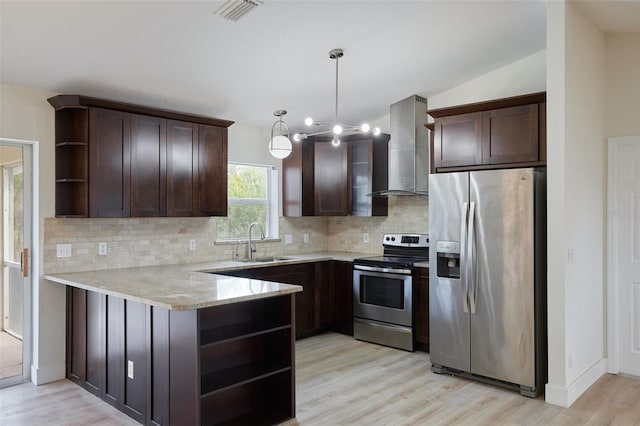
x=265, y=259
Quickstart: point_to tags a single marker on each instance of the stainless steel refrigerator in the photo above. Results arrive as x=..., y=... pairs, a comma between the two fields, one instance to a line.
x=487, y=276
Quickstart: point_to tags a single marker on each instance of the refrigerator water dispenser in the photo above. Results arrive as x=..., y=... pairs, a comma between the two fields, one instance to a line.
x=448, y=259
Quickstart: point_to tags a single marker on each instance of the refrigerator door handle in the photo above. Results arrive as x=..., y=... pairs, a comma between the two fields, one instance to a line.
x=471, y=239
x=464, y=278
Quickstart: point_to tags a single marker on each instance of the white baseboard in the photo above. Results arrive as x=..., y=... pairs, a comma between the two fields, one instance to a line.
x=565, y=396
x=50, y=373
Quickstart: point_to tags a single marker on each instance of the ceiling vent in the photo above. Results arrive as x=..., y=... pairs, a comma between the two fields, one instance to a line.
x=236, y=9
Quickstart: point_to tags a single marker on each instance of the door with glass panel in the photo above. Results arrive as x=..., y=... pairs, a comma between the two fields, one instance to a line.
x=15, y=280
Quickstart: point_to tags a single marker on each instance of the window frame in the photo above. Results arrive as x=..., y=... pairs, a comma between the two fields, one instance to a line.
x=271, y=201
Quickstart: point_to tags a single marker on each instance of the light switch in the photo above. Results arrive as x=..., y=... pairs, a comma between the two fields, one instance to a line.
x=288, y=238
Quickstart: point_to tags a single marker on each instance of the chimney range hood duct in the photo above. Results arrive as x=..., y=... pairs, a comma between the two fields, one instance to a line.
x=408, y=149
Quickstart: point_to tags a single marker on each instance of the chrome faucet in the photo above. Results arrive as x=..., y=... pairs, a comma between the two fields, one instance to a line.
x=250, y=249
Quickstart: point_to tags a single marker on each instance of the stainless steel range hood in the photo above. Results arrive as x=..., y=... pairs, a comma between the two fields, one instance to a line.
x=408, y=149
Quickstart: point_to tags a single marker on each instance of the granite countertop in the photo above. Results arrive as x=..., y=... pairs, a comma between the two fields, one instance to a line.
x=191, y=286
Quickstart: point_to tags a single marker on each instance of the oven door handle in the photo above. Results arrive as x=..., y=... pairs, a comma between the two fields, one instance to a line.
x=384, y=270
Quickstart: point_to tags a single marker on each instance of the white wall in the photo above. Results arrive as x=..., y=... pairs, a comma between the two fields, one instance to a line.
x=522, y=77
x=576, y=161
x=555, y=193
x=622, y=88
x=248, y=144
x=25, y=114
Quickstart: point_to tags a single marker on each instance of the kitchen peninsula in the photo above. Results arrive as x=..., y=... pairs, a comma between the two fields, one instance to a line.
x=172, y=345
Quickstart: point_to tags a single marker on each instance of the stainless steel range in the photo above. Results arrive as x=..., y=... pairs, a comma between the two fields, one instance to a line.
x=382, y=291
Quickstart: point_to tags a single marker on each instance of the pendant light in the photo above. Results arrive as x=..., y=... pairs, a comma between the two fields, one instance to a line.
x=280, y=144
x=336, y=127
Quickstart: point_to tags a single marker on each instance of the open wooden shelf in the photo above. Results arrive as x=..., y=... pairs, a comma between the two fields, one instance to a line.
x=240, y=375
x=262, y=417
x=265, y=401
x=239, y=331
x=72, y=139
x=70, y=143
x=246, y=362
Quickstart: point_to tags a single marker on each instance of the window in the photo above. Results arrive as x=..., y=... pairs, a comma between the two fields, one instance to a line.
x=252, y=197
x=13, y=217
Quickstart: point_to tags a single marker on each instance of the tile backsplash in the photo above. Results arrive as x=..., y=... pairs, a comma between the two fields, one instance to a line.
x=407, y=214
x=157, y=241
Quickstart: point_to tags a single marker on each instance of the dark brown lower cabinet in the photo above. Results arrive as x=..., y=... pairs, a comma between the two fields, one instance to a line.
x=95, y=349
x=307, y=319
x=325, y=287
x=326, y=303
x=134, y=401
x=421, y=308
x=115, y=349
x=343, y=276
x=229, y=364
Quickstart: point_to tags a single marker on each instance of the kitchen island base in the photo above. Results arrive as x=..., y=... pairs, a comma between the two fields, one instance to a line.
x=225, y=364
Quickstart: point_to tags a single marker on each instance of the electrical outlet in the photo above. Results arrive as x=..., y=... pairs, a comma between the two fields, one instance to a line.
x=288, y=238
x=102, y=249
x=130, y=369
x=365, y=237
x=305, y=238
x=571, y=256
x=192, y=245
x=63, y=250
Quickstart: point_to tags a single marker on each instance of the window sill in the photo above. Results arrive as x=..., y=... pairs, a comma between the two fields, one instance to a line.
x=244, y=241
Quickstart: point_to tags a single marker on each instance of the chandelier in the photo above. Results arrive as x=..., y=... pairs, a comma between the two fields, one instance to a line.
x=279, y=143
x=336, y=128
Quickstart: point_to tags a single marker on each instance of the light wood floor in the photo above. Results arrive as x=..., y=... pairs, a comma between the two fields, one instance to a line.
x=341, y=381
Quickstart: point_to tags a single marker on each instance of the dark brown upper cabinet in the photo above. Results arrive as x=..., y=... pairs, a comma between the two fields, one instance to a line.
x=322, y=180
x=148, y=166
x=212, y=158
x=331, y=189
x=510, y=135
x=122, y=160
x=457, y=140
x=504, y=133
x=298, y=181
x=109, y=163
x=182, y=168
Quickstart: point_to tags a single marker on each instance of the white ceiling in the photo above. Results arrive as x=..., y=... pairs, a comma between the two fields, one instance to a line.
x=179, y=55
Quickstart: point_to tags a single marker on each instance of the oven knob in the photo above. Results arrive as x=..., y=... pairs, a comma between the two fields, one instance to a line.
x=393, y=238
x=387, y=238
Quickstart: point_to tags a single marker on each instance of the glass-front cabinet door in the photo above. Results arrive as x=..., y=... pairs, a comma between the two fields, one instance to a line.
x=361, y=163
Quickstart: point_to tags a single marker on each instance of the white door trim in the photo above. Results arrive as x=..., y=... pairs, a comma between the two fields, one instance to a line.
x=31, y=167
x=612, y=273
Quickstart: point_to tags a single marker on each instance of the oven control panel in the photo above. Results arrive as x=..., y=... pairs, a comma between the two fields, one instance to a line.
x=406, y=240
